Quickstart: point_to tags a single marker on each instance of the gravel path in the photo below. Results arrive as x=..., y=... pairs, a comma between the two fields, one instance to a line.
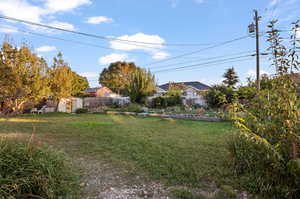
x=102, y=181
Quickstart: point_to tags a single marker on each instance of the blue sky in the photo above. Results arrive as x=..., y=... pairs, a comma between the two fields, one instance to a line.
x=201, y=22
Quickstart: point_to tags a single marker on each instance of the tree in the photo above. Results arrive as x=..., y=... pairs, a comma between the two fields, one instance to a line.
x=175, y=90
x=117, y=76
x=140, y=85
x=61, y=79
x=79, y=84
x=23, y=78
x=231, y=78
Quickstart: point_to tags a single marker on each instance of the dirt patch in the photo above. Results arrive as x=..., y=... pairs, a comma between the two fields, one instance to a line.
x=101, y=180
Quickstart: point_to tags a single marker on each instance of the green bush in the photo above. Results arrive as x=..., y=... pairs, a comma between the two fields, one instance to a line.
x=27, y=171
x=166, y=101
x=220, y=95
x=81, y=110
x=136, y=108
x=265, y=153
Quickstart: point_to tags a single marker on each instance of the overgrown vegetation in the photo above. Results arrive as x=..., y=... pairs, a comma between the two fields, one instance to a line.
x=266, y=151
x=28, y=171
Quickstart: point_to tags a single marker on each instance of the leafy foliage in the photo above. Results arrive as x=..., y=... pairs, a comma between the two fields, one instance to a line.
x=22, y=77
x=166, y=101
x=117, y=76
x=27, y=171
x=220, y=95
x=141, y=84
x=25, y=79
x=266, y=151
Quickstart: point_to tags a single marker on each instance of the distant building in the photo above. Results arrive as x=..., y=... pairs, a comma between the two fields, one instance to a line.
x=192, y=93
x=197, y=86
x=101, y=92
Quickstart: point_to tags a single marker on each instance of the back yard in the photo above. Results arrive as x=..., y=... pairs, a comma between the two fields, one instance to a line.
x=120, y=156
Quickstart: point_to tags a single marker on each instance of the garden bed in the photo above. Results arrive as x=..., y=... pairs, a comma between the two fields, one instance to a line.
x=192, y=117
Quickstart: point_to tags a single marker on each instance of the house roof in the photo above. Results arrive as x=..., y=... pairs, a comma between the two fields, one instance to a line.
x=197, y=85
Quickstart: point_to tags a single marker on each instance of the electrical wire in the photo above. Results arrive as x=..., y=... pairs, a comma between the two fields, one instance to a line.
x=129, y=42
x=197, y=51
x=203, y=59
x=205, y=63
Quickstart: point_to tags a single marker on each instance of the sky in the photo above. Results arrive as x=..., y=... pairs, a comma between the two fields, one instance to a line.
x=153, y=34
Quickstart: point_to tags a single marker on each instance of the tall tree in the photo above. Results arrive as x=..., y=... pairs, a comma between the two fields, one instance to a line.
x=117, y=76
x=79, y=84
x=231, y=78
x=60, y=79
x=141, y=84
x=22, y=77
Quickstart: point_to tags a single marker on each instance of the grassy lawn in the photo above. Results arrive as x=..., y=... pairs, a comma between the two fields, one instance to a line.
x=172, y=151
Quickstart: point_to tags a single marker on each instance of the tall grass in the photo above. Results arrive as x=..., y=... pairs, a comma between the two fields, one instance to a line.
x=31, y=171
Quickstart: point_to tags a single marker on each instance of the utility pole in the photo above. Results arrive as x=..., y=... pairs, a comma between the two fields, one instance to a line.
x=254, y=28
x=257, y=18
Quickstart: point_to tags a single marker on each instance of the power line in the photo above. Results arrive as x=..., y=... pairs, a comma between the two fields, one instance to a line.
x=129, y=42
x=205, y=63
x=61, y=39
x=203, y=59
x=210, y=65
x=194, y=52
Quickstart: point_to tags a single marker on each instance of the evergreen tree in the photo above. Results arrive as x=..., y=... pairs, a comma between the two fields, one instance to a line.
x=231, y=78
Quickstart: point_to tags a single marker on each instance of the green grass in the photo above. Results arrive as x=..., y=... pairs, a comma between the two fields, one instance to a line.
x=173, y=151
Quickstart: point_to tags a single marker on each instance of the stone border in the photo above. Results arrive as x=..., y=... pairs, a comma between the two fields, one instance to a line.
x=191, y=117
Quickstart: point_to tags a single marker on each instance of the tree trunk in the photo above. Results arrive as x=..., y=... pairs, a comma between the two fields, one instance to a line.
x=57, y=104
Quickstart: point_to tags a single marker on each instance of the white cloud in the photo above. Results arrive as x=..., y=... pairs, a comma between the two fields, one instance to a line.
x=99, y=19
x=8, y=29
x=114, y=57
x=21, y=9
x=252, y=73
x=90, y=75
x=46, y=49
x=153, y=44
x=160, y=55
x=63, y=25
x=139, y=37
x=27, y=10
x=64, y=5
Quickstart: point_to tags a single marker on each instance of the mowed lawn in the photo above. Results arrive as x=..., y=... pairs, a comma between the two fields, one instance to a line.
x=175, y=152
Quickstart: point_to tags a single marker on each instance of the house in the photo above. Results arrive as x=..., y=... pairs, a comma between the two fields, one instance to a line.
x=101, y=92
x=192, y=93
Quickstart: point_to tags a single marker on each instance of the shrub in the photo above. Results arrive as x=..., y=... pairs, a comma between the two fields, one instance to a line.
x=81, y=110
x=266, y=152
x=163, y=102
x=132, y=108
x=220, y=95
x=27, y=171
x=246, y=93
